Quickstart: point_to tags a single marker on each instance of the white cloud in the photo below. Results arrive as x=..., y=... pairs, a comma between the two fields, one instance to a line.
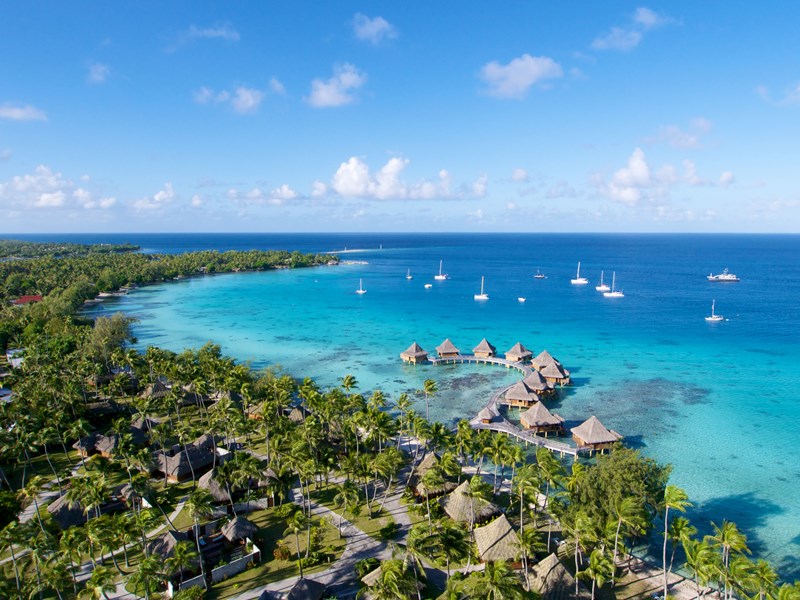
x=627, y=38
x=41, y=189
x=276, y=87
x=372, y=30
x=727, y=178
x=106, y=203
x=98, y=73
x=283, y=193
x=196, y=201
x=516, y=78
x=51, y=199
x=649, y=19
x=157, y=201
x=220, y=31
x=338, y=90
x=318, y=189
x=243, y=100
x=480, y=186
x=519, y=174
x=790, y=98
x=680, y=138
x=353, y=180
x=27, y=112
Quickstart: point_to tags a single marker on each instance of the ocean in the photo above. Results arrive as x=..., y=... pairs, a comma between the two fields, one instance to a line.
x=718, y=401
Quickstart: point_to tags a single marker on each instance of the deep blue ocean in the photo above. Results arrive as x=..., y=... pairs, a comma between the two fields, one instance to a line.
x=719, y=401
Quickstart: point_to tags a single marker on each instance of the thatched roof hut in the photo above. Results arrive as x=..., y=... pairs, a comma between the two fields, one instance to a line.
x=543, y=359
x=552, y=581
x=497, y=540
x=538, y=383
x=460, y=507
x=593, y=434
x=179, y=465
x=414, y=354
x=238, y=528
x=297, y=415
x=205, y=441
x=429, y=461
x=484, y=349
x=106, y=444
x=65, y=516
x=164, y=545
x=306, y=589
x=518, y=353
x=215, y=487
x=155, y=390
x=520, y=394
x=447, y=349
x=555, y=373
x=541, y=420
x=86, y=444
x=485, y=415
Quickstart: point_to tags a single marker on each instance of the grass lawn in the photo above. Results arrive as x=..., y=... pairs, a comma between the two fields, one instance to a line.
x=369, y=525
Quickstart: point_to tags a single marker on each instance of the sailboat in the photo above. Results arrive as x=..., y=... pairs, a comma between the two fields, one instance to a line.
x=578, y=279
x=713, y=317
x=481, y=296
x=614, y=293
x=409, y=275
x=602, y=287
x=360, y=289
x=539, y=275
x=441, y=276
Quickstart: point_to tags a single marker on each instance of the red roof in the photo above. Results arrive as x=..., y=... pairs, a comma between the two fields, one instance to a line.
x=27, y=299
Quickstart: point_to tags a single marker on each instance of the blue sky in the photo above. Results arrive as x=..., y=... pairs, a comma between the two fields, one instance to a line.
x=412, y=116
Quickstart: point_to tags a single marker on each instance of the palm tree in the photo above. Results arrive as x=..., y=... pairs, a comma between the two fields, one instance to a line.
x=448, y=542
x=346, y=497
x=31, y=492
x=394, y=582
x=182, y=559
x=496, y=582
x=429, y=388
x=99, y=584
x=728, y=539
x=675, y=498
x=433, y=478
x=630, y=514
x=148, y=575
x=580, y=533
x=599, y=570
x=9, y=536
x=349, y=382
x=679, y=529
x=297, y=523
x=701, y=560
x=552, y=472
x=765, y=578
x=526, y=482
x=200, y=505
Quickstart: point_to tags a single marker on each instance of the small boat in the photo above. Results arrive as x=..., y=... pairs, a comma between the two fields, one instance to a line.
x=428, y=286
x=539, y=275
x=409, y=276
x=578, y=279
x=614, y=293
x=602, y=287
x=713, y=317
x=481, y=296
x=521, y=300
x=723, y=277
x=360, y=289
x=441, y=276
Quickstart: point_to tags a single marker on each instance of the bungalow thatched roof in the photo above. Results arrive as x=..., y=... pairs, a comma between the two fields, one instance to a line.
x=306, y=589
x=484, y=347
x=543, y=359
x=537, y=382
x=497, y=540
x=86, y=443
x=554, y=371
x=518, y=352
x=214, y=486
x=429, y=461
x=106, y=443
x=177, y=465
x=522, y=393
x=143, y=423
x=447, y=347
x=485, y=414
x=155, y=390
x=414, y=351
x=164, y=545
x=65, y=516
x=297, y=415
x=238, y=528
x=539, y=416
x=460, y=507
x=551, y=579
x=592, y=431
x=204, y=441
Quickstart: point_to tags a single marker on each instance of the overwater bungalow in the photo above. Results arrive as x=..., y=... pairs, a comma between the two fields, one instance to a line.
x=518, y=353
x=539, y=384
x=485, y=415
x=521, y=395
x=447, y=350
x=540, y=420
x=460, y=507
x=484, y=349
x=414, y=354
x=593, y=435
x=497, y=541
x=555, y=373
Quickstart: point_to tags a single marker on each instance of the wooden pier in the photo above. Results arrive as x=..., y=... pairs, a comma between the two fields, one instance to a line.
x=491, y=360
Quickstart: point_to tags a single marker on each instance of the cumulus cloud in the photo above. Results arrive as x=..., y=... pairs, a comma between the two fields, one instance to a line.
x=220, y=31
x=45, y=189
x=196, y=201
x=157, y=201
x=628, y=37
x=515, y=79
x=372, y=30
x=242, y=100
x=16, y=112
x=354, y=180
x=279, y=196
x=276, y=87
x=318, y=189
x=683, y=138
x=480, y=187
x=338, y=90
x=790, y=98
x=519, y=174
x=98, y=73
x=283, y=193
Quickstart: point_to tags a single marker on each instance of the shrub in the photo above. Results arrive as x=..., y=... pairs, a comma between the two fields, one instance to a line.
x=388, y=531
x=284, y=511
x=282, y=553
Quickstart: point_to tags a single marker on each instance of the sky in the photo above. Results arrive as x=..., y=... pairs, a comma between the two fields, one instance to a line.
x=399, y=116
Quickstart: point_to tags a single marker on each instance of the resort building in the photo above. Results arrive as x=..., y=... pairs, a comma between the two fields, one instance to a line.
x=540, y=420
x=447, y=350
x=592, y=435
x=537, y=382
x=414, y=354
x=485, y=415
x=552, y=581
x=497, y=541
x=463, y=508
x=518, y=353
x=484, y=349
x=23, y=300
x=429, y=461
x=521, y=395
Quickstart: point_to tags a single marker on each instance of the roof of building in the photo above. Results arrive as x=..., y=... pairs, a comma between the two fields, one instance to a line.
x=554, y=370
x=551, y=579
x=518, y=351
x=465, y=509
x=447, y=347
x=485, y=414
x=497, y=540
x=539, y=416
x=306, y=589
x=65, y=516
x=178, y=465
x=414, y=351
x=521, y=392
x=164, y=545
x=238, y=528
x=543, y=359
x=484, y=347
x=215, y=487
x=27, y=299
x=592, y=431
x=537, y=382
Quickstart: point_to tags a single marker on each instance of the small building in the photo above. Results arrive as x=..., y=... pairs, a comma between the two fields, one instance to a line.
x=164, y=545
x=214, y=486
x=518, y=353
x=429, y=461
x=447, y=350
x=462, y=508
x=521, y=395
x=306, y=589
x=497, y=541
x=238, y=529
x=23, y=300
x=65, y=515
x=485, y=415
x=555, y=374
x=414, y=354
x=484, y=349
x=540, y=420
x=552, y=581
x=179, y=464
x=593, y=435
x=539, y=384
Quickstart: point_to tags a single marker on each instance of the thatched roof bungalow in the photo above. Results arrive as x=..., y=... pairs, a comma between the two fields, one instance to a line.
x=238, y=529
x=497, y=541
x=306, y=589
x=539, y=384
x=414, y=354
x=520, y=394
x=460, y=507
x=164, y=545
x=214, y=486
x=518, y=353
x=593, y=435
x=86, y=445
x=178, y=464
x=485, y=415
x=447, y=350
x=65, y=515
x=541, y=420
x=555, y=374
x=429, y=461
x=552, y=581
x=484, y=349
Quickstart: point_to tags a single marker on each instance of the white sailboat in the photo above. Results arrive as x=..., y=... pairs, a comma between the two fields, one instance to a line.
x=714, y=317
x=521, y=300
x=602, y=287
x=614, y=293
x=539, y=275
x=360, y=289
x=409, y=276
x=428, y=286
x=578, y=279
x=441, y=276
x=481, y=296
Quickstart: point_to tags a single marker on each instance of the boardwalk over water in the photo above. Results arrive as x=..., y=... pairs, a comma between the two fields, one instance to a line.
x=499, y=423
